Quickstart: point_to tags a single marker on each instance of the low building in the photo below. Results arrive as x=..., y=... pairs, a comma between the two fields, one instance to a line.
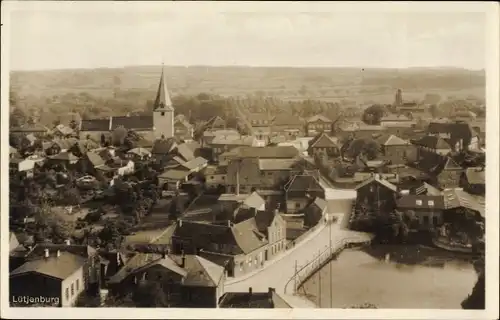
x=273, y=226
x=172, y=179
x=250, y=299
x=458, y=135
x=473, y=180
x=288, y=126
x=427, y=209
x=317, y=124
x=433, y=144
x=300, y=191
x=376, y=194
x=322, y=144
x=241, y=243
x=395, y=149
x=58, y=272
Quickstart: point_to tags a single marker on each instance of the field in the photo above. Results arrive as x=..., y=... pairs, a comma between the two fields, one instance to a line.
x=363, y=86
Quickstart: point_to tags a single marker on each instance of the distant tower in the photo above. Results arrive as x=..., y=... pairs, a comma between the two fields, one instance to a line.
x=398, y=101
x=163, y=111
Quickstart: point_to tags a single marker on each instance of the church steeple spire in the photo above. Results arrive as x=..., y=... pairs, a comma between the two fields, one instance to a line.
x=162, y=102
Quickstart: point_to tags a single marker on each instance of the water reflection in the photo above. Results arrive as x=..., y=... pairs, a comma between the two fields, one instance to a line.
x=391, y=276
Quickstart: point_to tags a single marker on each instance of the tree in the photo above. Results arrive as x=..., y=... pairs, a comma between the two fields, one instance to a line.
x=373, y=114
x=150, y=295
x=18, y=117
x=118, y=136
x=433, y=109
x=71, y=196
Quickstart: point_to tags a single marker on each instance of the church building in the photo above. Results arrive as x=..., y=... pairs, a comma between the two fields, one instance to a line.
x=151, y=127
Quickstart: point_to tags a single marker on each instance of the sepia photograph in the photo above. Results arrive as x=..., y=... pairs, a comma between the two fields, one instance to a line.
x=206, y=159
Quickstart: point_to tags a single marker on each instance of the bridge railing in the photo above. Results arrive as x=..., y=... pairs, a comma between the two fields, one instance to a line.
x=311, y=267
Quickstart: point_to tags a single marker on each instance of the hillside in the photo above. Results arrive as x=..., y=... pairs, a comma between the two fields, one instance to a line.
x=328, y=84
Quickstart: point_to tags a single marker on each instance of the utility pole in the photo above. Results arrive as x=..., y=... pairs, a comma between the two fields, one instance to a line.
x=330, y=221
x=238, y=176
x=319, y=283
x=295, y=276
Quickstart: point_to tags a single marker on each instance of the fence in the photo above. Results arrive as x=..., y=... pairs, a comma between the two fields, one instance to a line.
x=303, y=273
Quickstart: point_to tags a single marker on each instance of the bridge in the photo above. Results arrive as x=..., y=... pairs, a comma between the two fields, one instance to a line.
x=295, y=265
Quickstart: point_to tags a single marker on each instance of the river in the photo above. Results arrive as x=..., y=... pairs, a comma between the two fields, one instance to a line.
x=414, y=277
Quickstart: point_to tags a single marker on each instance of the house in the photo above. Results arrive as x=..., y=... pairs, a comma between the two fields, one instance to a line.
x=58, y=272
x=259, y=119
x=215, y=177
x=241, y=243
x=359, y=130
x=433, y=144
x=194, y=165
x=426, y=208
x=288, y=126
x=458, y=203
x=162, y=148
x=269, y=152
x=315, y=212
x=93, y=164
x=172, y=179
x=249, y=174
x=36, y=130
x=473, y=180
x=139, y=154
x=160, y=124
x=294, y=227
x=186, y=280
x=317, y=124
x=395, y=149
x=322, y=144
x=273, y=226
x=221, y=144
x=300, y=191
x=183, y=130
x=458, y=135
x=215, y=123
x=392, y=120
x=59, y=145
x=249, y=207
x=209, y=135
x=23, y=166
x=61, y=131
x=443, y=171
x=243, y=300
x=185, y=151
x=376, y=194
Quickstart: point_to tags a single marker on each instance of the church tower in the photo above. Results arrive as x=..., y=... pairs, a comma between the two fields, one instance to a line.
x=398, y=100
x=163, y=112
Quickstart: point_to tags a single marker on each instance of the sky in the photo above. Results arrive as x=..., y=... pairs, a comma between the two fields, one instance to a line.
x=91, y=35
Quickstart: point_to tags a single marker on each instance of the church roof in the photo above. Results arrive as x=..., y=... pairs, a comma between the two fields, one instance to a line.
x=162, y=101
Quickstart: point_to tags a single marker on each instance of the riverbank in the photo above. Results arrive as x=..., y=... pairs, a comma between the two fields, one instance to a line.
x=411, y=277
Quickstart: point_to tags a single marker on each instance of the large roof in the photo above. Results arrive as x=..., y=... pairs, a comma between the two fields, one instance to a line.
x=56, y=267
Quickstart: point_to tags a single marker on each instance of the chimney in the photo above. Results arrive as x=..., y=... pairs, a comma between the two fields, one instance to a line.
x=68, y=242
x=163, y=255
x=46, y=251
x=270, y=296
x=180, y=222
x=229, y=223
x=183, y=261
x=250, y=291
x=58, y=253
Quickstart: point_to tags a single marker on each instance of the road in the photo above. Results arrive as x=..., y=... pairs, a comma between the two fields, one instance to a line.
x=277, y=273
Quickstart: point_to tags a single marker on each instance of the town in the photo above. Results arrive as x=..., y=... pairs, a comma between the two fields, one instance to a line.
x=161, y=209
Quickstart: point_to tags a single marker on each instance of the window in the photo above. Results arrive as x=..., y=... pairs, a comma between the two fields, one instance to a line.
x=419, y=202
x=162, y=114
x=211, y=177
x=431, y=203
x=297, y=205
x=72, y=289
x=223, y=178
x=241, y=266
x=67, y=294
x=426, y=220
x=435, y=220
x=77, y=285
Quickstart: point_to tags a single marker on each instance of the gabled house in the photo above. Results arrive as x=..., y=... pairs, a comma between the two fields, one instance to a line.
x=473, y=180
x=183, y=130
x=395, y=149
x=300, y=191
x=459, y=135
x=242, y=243
x=444, y=171
x=376, y=194
x=58, y=272
x=315, y=212
x=162, y=148
x=434, y=144
x=23, y=166
x=250, y=299
x=172, y=179
x=288, y=126
x=61, y=131
x=322, y=144
x=260, y=119
x=60, y=145
x=317, y=124
x=458, y=203
x=269, y=152
x=221, y=144
x=186, y=280
x=273, y=226
x=427, y=208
